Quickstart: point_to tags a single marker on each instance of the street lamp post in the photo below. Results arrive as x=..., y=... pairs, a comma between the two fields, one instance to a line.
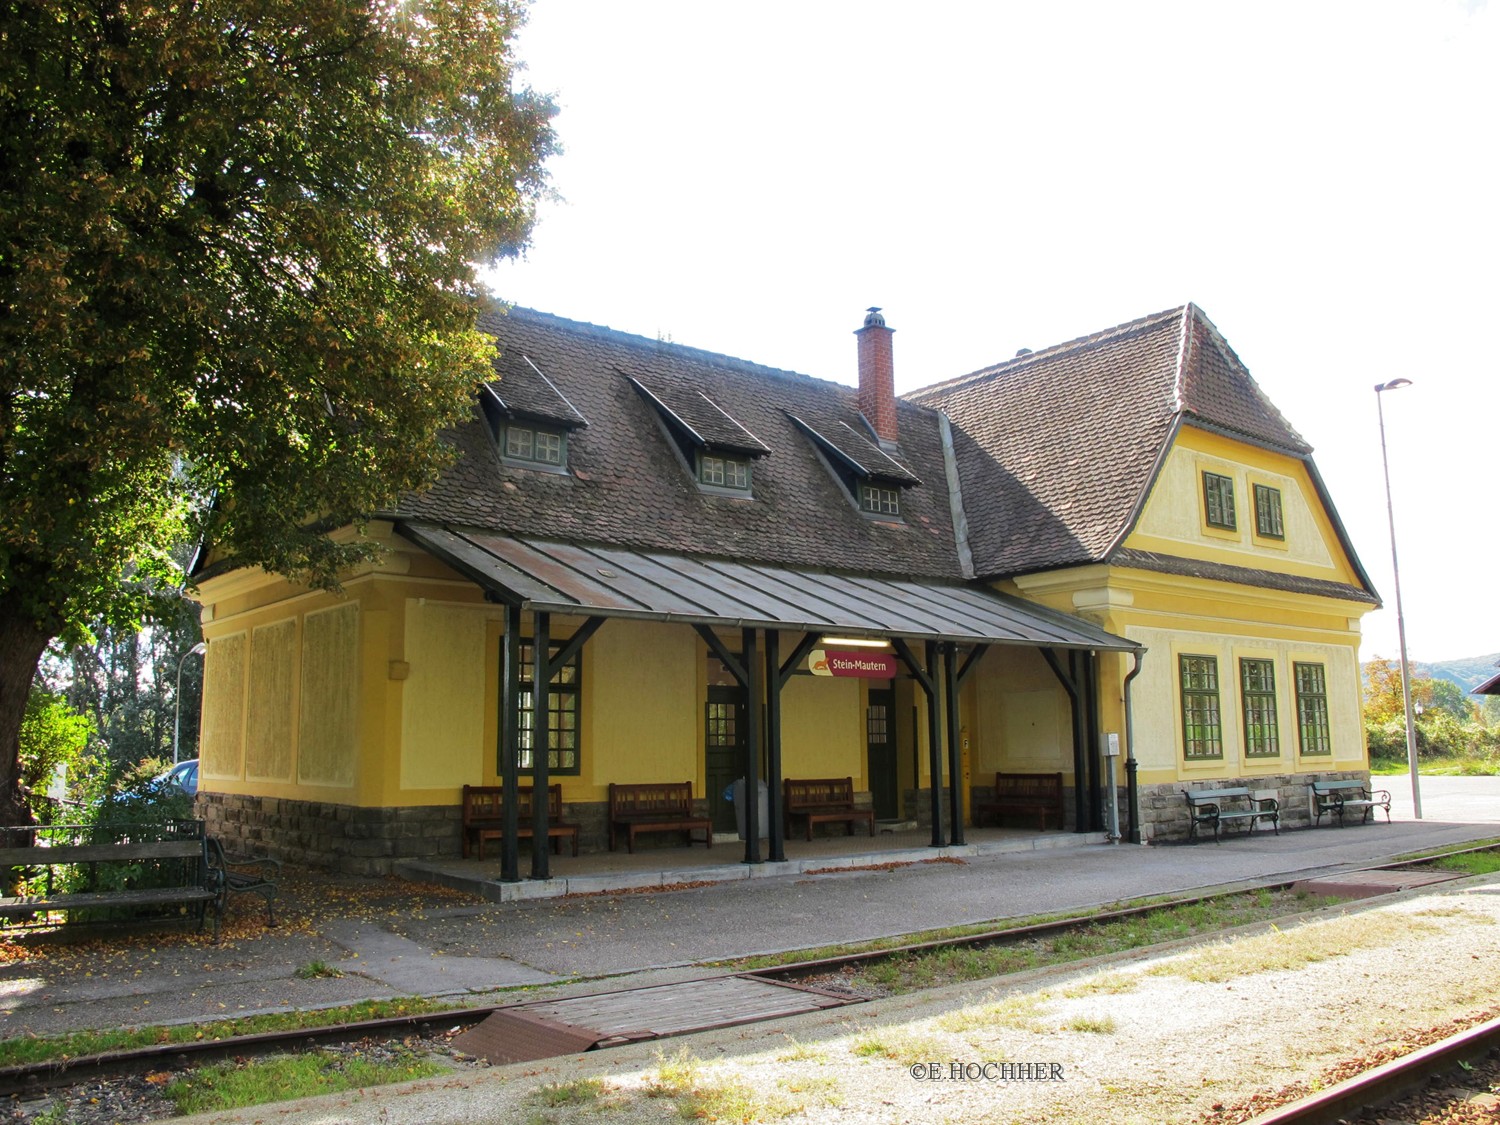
x=1411, y=724
x=197, y=650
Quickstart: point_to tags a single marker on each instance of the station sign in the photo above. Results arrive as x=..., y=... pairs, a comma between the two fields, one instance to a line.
x=865, y=665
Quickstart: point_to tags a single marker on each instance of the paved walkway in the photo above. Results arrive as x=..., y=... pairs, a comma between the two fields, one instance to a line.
x=393, y=938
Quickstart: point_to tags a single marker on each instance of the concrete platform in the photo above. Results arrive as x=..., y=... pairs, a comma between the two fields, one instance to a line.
x=664, y=867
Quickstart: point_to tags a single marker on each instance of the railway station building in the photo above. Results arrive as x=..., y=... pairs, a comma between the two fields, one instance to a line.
x=1111, y=560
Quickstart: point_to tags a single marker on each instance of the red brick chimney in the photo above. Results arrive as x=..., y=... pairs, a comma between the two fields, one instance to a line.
x=877, y=376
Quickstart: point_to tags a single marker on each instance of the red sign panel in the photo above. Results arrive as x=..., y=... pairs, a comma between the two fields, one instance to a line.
x=865, y=665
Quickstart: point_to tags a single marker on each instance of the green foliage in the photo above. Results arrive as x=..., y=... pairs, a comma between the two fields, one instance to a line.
x=231, y=1085
x=1450, y=729
x=238, y=247
x=52, y=735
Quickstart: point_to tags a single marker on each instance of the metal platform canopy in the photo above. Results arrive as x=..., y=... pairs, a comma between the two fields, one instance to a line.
x=599, y=582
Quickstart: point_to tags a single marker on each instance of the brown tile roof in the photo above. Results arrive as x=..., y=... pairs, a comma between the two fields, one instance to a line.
x=1055, y=452
x=627, y=487
x=1242, y=575
x=1058, y=448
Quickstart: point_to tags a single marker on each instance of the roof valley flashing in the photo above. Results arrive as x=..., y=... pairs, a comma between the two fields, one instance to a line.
x=1034, y=464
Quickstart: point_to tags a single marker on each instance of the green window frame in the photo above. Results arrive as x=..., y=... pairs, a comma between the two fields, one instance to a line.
x=1258, y=705
x=563, y=713
x=1218, y=501
x=534, y=444
x=1202, y=724
x=724, y=472
x=1314, y=736
x=879, y=501
x=1268, y=523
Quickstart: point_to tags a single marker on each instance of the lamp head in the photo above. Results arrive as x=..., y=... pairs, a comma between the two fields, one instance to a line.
x=1393, y=385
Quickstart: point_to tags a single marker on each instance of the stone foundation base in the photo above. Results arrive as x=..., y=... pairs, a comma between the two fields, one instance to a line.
x=358, y=841
x=1164, y=812
x=339, y=838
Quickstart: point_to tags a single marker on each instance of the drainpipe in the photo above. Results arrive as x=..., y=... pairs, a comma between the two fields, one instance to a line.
x=1132, y=788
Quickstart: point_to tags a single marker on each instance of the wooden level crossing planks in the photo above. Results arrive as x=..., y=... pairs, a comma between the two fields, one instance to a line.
x=579, y=1023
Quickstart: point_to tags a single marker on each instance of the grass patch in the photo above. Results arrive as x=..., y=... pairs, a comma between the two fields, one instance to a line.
x=813, y=1089
x=1280, y=950
x=580, y=1091
x=802, y=1052
x=1020, y=1013
x=315, y=970
x=1109, y=984
x=284, y=1077
x=1471, y=863
x=701, y=1095
x=22, y=1050
x=928, y=969
x=1094, y=1025
x=899, y=1044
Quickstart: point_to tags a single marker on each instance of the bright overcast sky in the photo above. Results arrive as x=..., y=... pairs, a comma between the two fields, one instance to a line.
x=1320, y=178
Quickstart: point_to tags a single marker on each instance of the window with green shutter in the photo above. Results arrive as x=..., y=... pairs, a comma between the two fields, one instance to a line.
x=1202, y=727
x=1268, y=512
x=1218, y=501
x=1258, y=703
x=1311, y=685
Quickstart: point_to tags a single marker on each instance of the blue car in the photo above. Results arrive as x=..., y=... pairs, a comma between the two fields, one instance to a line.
x=184, y=775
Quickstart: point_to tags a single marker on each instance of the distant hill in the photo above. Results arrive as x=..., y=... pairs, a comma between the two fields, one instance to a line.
x=1468, y=673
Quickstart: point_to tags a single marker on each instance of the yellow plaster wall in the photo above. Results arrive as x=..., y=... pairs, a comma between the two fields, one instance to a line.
x=1022, y=718
x=1173, y=521
x=642, y=714
x=823, y=728
x=328, y=736
x=221, y=740
x=443, y=695
x=1158, y=710
x=273, y=702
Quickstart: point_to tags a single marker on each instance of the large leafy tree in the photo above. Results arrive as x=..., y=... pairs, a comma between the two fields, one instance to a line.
x=237, y=290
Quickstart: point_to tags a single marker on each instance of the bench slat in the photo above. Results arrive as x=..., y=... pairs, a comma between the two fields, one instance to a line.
x=46, y=856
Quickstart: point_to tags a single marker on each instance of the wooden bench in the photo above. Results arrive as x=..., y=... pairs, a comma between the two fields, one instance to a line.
x=60, y=869
x=484, y=817
x=1337, y=797
x=1024, y=794
x=823, y=800
x=245, y=874
x=1214, y=808
x=655, y=807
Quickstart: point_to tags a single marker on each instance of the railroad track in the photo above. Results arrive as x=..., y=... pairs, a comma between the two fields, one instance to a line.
x=31, y=1079
x=1389, y=1082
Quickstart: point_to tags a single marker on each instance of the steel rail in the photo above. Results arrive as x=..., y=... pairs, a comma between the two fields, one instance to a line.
x=1387, y=1082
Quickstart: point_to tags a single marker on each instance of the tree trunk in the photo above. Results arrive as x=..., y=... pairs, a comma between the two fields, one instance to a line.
x=22, y=642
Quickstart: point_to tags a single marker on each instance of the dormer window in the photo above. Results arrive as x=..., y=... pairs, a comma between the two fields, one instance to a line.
x=707, y=441
x=879, y=501
x=872, y=478
x=528, y=417
x=724, y=472
x=535, y=444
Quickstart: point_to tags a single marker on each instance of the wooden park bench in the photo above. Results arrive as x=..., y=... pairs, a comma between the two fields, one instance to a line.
x=661, y=806
x=1214, y=808
x=1024, y=794
x=1338, y=797
x=823, y=800
x=65, y=868
x=484, y=817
